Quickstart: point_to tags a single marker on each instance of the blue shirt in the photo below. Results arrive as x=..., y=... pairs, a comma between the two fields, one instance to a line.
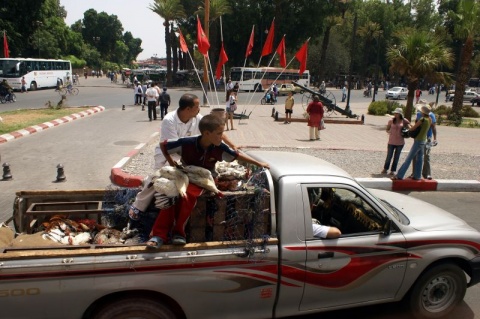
x=434, y=120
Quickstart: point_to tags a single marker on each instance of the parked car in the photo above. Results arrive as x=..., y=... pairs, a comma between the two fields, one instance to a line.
x=285, y=88
x=397, y=93
x=467, y=95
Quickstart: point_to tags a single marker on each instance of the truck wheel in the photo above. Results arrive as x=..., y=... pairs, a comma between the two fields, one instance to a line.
x=438, y=291
x=140, y=308
x=33, y=86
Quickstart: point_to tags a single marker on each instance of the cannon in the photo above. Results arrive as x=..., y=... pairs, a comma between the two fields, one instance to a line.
x=327, y=99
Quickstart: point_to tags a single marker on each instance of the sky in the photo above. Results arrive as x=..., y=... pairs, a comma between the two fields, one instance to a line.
x=135, y=17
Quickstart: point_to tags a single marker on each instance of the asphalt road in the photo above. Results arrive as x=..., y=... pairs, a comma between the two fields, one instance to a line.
x=113, y=133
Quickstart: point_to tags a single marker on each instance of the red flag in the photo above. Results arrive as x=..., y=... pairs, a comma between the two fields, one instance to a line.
x=183, y=43
x=281, y=53
x=250, y=44
x=202, y=40
x=221, y=61
x=5, y=45
x=302, y=57
x=268, y=46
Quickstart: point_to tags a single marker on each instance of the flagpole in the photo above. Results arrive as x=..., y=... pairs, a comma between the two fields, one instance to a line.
x=205, y=67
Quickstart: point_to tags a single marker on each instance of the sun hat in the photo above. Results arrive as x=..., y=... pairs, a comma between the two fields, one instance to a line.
x=398, y=110
x=424, y=108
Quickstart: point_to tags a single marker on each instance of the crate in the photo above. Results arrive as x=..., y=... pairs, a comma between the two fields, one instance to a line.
x=38, y=213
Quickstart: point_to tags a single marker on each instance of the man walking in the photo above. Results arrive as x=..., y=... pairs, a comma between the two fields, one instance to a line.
x=152, y=95
x=164, y=100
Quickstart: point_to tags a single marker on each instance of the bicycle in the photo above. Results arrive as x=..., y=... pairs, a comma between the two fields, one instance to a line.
x=68, y=90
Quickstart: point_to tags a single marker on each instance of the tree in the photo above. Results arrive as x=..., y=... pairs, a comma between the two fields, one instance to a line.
x=169, y=10
x=465, y=30
x=419, y=54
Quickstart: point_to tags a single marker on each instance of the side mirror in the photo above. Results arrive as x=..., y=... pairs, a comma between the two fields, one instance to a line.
x=387, y=228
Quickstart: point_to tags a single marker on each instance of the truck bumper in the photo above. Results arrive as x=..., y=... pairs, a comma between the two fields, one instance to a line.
x=475, y=276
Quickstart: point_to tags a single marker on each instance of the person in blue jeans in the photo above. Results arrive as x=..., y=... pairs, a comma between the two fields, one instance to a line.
x=432, y=133
x=418, y=146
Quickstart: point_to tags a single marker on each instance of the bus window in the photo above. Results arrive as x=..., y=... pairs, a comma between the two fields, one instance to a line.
x=247, y=75
x=235, y=75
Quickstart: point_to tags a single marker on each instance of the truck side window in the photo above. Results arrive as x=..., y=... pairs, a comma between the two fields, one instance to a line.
x=343, y=209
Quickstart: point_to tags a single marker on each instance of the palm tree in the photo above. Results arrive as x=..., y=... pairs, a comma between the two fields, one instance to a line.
x=418, y=55
x=370, y=31
x=169, y=10
x=465, y=29
x=218, y=8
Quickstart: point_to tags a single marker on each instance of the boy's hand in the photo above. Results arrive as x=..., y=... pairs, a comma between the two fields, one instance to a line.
x=264, y=165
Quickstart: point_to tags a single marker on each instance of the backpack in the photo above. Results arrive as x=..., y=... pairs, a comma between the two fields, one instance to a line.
x=139, y=90
x=163, y=98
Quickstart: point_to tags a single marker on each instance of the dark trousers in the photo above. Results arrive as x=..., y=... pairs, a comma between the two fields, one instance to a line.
x=163, y=110
x=138, y=99
x=393, y=151
x=151, y=110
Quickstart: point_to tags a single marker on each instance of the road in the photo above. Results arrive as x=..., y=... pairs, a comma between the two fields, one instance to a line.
x=113, y=133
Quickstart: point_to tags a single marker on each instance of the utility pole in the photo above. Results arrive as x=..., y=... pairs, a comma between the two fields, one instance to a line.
x=205, y=59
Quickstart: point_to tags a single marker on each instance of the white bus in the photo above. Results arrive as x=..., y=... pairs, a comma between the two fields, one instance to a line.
x=252, y=77
x=38, y=73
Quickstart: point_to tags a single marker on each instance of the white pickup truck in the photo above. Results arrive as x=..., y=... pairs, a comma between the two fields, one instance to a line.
x=262, y=261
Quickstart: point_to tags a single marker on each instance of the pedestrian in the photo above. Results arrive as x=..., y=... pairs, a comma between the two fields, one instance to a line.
x=230, y=107
x=315, y=116
x=152, y=96
x=236, y=87
x=164, y=100
x=229, y=85
x=417, y=149
x=182, y=122
x=138, y=94
x=289, y=102
x=144, y=91
x=418, y=94
x=202, y=151
x=432, y=133
x=323, y=88
x=344, y=93
x=395, y=140
x=24, y=85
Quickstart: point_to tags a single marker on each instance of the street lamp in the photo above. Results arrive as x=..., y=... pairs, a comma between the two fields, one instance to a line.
x=375, y=83
x=39, y=24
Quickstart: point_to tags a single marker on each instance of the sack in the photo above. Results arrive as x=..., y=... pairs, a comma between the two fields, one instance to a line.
x=306, y=115
x=322, y=125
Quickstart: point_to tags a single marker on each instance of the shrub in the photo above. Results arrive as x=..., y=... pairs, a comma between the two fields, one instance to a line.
x=468, y=111
x=383, y=107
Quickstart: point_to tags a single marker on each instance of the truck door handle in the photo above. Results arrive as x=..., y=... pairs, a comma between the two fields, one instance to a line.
x=325, y=255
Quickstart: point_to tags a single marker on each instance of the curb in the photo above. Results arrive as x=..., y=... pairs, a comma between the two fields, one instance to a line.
x=123, y=179
x=444, y=185
x=4, y=138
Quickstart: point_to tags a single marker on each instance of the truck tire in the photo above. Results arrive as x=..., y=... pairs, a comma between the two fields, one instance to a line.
x=33, y=86
x=438, y=291
x=140, y=308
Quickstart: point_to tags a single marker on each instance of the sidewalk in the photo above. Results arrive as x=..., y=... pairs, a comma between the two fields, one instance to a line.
x=261, y=131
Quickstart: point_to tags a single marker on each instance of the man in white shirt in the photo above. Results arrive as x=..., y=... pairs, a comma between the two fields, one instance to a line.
x=180, y=123
x=152, y=97
x=321, y=231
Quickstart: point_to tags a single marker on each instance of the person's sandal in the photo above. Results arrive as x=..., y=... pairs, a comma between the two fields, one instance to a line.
x=134, y=213
x=154, y=242
x=178, y=240
x=395, y=178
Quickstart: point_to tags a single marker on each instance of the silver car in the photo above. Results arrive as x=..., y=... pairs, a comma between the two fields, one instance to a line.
x=397, y=93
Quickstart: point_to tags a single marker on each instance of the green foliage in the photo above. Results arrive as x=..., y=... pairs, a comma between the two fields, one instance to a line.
x=383, y=107
x=468, y=111
x=76, y=62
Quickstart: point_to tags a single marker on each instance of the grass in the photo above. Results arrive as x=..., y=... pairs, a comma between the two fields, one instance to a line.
x=20, y=119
